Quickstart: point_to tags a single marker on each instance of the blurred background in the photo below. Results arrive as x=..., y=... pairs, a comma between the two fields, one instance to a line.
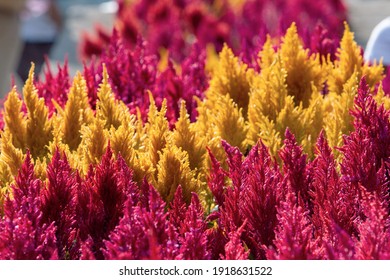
x=80, y=16
x=363, y=15
x=76, y=17
x=52, y=28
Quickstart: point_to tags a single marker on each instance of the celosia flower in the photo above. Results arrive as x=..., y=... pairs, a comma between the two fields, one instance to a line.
x=295, y=167
x=374, y=238
x=367, y=148
x=23, y=231
x=54, y=87
x=294, y=233
x=192, y=233
x=101, y=200
x=335, y=203
x=143, y=232
x=262, y=186
x=234, y=249
x=58, y=205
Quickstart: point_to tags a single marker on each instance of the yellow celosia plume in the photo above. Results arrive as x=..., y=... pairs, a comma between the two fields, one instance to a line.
x=173, y=170
x=77, y=113
x=302, y=70
x=11, y=156
x=39, y=130
x=114, y=112
x=338, y=120
x=93, y=144
x=157, y=130
x=350, y=61
x=381, y=98
x=267, y=99
x=15, y=121
x=232, y=78
x=186, y=137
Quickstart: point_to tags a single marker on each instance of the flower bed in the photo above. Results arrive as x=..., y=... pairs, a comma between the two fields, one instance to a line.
x=286, y=157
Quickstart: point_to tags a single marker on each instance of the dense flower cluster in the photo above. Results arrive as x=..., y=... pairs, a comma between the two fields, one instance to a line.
x=175, y=24
x=212, y=157
x=308, y=209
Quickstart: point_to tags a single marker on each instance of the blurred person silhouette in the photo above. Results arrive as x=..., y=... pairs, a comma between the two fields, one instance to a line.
x=41, y=23
x=378, y=45
x=10, y=43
